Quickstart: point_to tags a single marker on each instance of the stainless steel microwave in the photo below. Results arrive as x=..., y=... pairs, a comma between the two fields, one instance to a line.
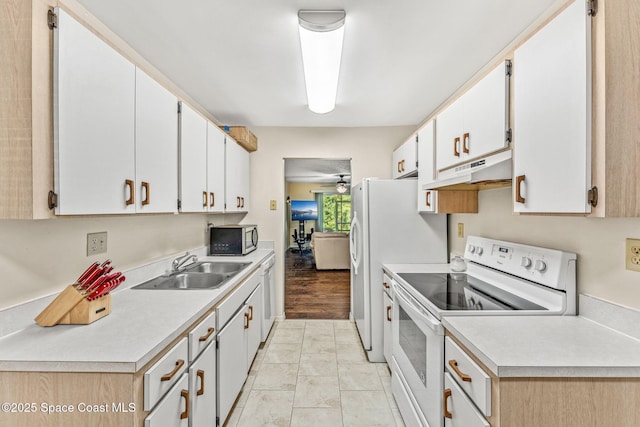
x=239, y=239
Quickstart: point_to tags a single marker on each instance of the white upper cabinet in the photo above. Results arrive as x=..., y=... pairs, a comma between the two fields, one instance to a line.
x=94, y=123
x=237, y=177
x=475, y=124
x=405, y=158
x=156, y=147
x=215, y=168
x=552, y=113
x=194, y=196
x=426, y=167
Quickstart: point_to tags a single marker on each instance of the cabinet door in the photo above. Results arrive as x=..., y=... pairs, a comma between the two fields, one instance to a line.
x=405, y=158
x=202, y=388
x=552, y=111
x=215, y=168
x=426, y=167
x=255, y=308
x=172, y=409
x=193, y=161
x=459, y=410
x=387, y=306
x=93, y=123
x=237, y=177
x=156, y=147
x=449, y=135
x=484, y=116
x=232, y=361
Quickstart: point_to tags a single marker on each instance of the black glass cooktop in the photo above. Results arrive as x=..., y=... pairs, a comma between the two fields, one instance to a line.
x=459, y=291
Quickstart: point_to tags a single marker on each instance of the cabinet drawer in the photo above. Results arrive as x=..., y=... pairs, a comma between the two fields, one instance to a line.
x=459, y=410
x=470, y=377
x=201, y=336
x=173, y=409
x=228, y=307
x=161, y=376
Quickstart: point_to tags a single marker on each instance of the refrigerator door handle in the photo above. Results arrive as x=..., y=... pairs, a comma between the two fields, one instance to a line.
x=353, y=246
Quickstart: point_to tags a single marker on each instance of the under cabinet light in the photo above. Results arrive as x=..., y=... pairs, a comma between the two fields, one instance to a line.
x=321, y=35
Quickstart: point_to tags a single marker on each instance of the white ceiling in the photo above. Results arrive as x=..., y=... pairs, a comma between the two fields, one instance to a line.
x=317, y=170
x=241, y=59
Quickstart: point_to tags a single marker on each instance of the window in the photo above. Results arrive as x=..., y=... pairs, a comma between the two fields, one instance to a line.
x=336, y=212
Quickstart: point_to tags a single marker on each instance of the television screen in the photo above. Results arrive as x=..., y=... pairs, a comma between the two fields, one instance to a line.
x=304, y=210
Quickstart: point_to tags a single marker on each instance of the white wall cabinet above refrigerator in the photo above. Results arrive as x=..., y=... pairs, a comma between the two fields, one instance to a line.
x=94, y=123
x=552, y=110
x=475, y=124
x=432, y=201
x=405, y=158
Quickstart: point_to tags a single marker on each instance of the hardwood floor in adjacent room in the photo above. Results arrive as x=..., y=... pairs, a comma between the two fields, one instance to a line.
x=314, y=294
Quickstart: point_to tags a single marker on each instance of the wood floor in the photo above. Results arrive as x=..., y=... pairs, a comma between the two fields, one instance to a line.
x=314, y=294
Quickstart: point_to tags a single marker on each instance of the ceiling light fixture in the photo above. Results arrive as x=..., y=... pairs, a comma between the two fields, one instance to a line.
x=321, y=35
x=341, y=185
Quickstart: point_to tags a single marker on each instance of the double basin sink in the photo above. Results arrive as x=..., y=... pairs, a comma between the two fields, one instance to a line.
x=199, y=275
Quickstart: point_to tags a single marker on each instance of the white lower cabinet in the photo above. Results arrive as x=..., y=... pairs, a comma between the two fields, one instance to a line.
x=232, y=361
x=254, y=332
x=173, y=409
x=202, y=389
x=459, y=410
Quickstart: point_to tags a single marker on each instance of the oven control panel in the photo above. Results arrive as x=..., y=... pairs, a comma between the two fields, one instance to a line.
x=548, y=267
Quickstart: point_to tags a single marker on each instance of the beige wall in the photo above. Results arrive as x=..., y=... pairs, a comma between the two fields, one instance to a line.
x=599, y=242
x=38, y=258
x=370, y=152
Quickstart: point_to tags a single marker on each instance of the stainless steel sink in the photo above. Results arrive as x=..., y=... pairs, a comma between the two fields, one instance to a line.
x=199, y=275
x=217, y=267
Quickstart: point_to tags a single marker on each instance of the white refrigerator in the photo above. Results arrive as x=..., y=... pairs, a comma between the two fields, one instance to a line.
x=386, y=228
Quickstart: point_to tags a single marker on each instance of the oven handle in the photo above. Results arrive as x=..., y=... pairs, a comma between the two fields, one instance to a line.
x=410, y=303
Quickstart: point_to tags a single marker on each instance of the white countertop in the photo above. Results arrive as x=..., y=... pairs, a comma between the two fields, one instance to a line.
x=547, y=346
x=141, y=324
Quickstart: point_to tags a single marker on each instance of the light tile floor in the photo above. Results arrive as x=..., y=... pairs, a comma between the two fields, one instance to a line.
x=315, y=373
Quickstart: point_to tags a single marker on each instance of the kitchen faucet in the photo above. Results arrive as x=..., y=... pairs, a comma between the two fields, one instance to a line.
x=182, y=260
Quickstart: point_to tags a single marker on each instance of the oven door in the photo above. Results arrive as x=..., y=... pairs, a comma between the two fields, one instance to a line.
x=418, y=348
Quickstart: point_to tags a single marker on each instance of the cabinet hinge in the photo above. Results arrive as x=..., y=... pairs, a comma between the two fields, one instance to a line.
x=52, y=200
x=592, y=7
x=179, y=108
x=217, y=421
x=179, y=204
x=592, y=196
x=52, y=19
x=508, y=66
x=507, y=135
x=417, y=138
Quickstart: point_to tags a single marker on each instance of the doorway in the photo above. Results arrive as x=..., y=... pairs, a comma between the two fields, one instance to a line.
x=314, y=205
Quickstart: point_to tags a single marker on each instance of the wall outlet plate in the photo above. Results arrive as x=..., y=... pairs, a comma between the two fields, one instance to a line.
x=96, y=243
x=273, y=205
x=461, y=230
x=632, y=255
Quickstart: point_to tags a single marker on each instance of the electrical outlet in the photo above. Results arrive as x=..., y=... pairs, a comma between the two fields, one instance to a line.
x=461, y=230
x=273, y=205
x=96, y=243
x=633, y=255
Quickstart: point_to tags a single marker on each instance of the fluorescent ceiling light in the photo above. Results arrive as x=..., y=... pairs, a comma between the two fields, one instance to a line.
x=321, y=35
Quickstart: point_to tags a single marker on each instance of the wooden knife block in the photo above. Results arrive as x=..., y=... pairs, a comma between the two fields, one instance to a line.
x=70, y=307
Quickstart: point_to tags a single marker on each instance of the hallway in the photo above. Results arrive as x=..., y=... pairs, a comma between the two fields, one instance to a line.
x=314, y=294
x=315, y=373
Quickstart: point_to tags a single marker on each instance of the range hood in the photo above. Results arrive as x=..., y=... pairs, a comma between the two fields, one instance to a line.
x=487, y=172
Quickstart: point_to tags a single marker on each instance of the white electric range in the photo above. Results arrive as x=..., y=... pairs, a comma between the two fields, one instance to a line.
x=501, y=278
